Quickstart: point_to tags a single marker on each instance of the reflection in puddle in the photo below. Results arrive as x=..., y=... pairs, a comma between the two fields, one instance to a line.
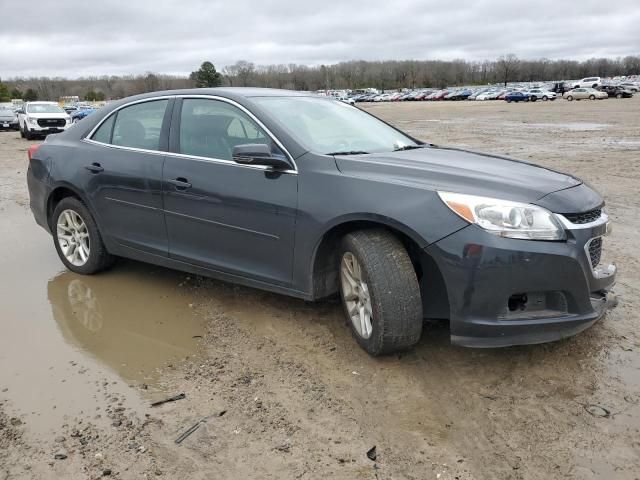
x=133, y=318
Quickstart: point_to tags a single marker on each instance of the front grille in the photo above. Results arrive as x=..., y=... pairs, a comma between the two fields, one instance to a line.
x=51, y=122
x=586, y=217
x=595, y=251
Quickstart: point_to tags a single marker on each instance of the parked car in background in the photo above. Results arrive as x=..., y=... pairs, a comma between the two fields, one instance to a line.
x=490, y=95
x=382, y=98
x=585, y=93
x=439, y=95
x=616, y=91
x=8, y=119
x=41, y=119
x=516, y=97
x=559, y=88
x=539, y=94
x=633, y=87
x=81, y=113
x=461, y=94
x=589, y=82
x=234, y=185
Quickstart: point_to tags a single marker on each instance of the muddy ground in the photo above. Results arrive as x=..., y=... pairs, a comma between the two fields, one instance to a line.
x=283, y=390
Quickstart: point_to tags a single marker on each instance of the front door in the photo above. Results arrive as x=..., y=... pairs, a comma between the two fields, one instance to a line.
x=233, y=218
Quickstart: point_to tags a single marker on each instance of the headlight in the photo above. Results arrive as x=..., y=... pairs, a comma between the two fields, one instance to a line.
x=32, y=120
x=505, y=218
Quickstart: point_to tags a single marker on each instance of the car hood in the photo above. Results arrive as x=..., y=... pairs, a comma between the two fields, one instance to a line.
x=461, y=171
x=48, y=115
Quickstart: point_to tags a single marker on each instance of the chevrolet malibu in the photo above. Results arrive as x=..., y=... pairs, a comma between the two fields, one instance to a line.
x=309, y=197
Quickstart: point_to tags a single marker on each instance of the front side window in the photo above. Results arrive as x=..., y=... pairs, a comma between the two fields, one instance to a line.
x=211, y=128
x=328, y=126
x=139, y=125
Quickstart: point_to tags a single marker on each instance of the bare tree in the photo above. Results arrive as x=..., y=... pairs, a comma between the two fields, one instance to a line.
x=507, y=66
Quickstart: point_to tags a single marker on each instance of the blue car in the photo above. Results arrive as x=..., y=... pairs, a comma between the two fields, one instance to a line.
x=516, y=97
x=80, y=114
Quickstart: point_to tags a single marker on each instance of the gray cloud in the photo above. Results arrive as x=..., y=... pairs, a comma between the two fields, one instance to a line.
x=78, y=38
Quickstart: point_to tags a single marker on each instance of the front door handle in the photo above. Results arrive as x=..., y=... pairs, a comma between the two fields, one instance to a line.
x=180, y=183
x=94, y=167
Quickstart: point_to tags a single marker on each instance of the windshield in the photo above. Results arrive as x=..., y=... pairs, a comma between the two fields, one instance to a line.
x=44, y=108
x=326, y=126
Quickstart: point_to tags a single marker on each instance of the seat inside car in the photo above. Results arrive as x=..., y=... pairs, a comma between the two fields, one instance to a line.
x=205, y=136
x=131, y=133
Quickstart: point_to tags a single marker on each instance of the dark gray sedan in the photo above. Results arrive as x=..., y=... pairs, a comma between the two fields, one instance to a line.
x=309, y=197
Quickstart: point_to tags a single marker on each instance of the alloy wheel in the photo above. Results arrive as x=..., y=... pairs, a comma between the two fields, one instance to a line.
x=73, y=237
x=356, y=294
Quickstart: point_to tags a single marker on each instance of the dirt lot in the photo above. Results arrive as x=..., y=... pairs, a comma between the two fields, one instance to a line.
x=285, y=391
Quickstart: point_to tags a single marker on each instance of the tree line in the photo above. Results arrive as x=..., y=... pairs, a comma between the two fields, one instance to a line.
x=383, y=75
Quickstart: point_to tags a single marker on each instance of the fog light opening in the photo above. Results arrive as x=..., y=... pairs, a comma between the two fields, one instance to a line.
x=517, y=302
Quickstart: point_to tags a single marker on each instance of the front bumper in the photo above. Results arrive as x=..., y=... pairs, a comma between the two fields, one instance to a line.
x=9, y=124
x=505, y=291
x=46, y=130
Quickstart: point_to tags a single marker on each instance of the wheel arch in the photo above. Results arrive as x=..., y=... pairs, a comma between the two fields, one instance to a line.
x=324, y=261
x=60, y=192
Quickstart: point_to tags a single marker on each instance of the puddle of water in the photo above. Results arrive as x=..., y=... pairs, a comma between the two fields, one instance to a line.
x=64, y=334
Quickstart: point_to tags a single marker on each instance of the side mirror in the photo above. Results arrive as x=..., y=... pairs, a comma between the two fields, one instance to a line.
x=20, y=112
x=258, y=154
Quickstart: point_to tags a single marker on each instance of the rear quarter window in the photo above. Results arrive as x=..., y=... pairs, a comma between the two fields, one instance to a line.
x=103, y=134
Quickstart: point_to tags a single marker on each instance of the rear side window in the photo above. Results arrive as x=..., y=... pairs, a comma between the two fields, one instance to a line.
x=103, y=134
x=139, y=125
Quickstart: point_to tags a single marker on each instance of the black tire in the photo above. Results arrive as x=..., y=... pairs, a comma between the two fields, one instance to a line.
x=533, y=98
x=527, y=99
x=508, y=100
x=27, y=133
x=619, y=95
x=21, y=132
x=99, y=259
x=393, y=287
x=570, y=98
x=545, y=98
x=592, y=97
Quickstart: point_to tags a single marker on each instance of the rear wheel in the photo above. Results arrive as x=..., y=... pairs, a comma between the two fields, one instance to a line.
x=77, y=238
x=508, y=100
x=592, y=97
x=380, y=292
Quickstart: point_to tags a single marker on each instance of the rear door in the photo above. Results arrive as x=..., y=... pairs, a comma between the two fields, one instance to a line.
x=238, y=219
x=122, y=174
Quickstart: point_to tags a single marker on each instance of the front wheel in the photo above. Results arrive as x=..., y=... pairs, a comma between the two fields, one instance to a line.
x=570, y=98
x=380, y=292
x=592, y=97
x=619, y=95
x=545, y=98
x=77, y=238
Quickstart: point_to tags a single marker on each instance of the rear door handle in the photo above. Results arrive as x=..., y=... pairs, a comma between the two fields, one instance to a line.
x=94, y=168
x=180, y=183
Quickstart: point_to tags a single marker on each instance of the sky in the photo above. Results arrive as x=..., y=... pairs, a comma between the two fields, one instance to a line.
x=74, y=38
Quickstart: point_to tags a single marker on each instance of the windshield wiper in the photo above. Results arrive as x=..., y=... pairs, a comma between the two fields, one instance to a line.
x=408, y=147
x=350, y=152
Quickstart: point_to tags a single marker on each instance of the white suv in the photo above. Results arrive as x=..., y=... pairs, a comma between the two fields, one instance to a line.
x=41, y=119
x=589, y=82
